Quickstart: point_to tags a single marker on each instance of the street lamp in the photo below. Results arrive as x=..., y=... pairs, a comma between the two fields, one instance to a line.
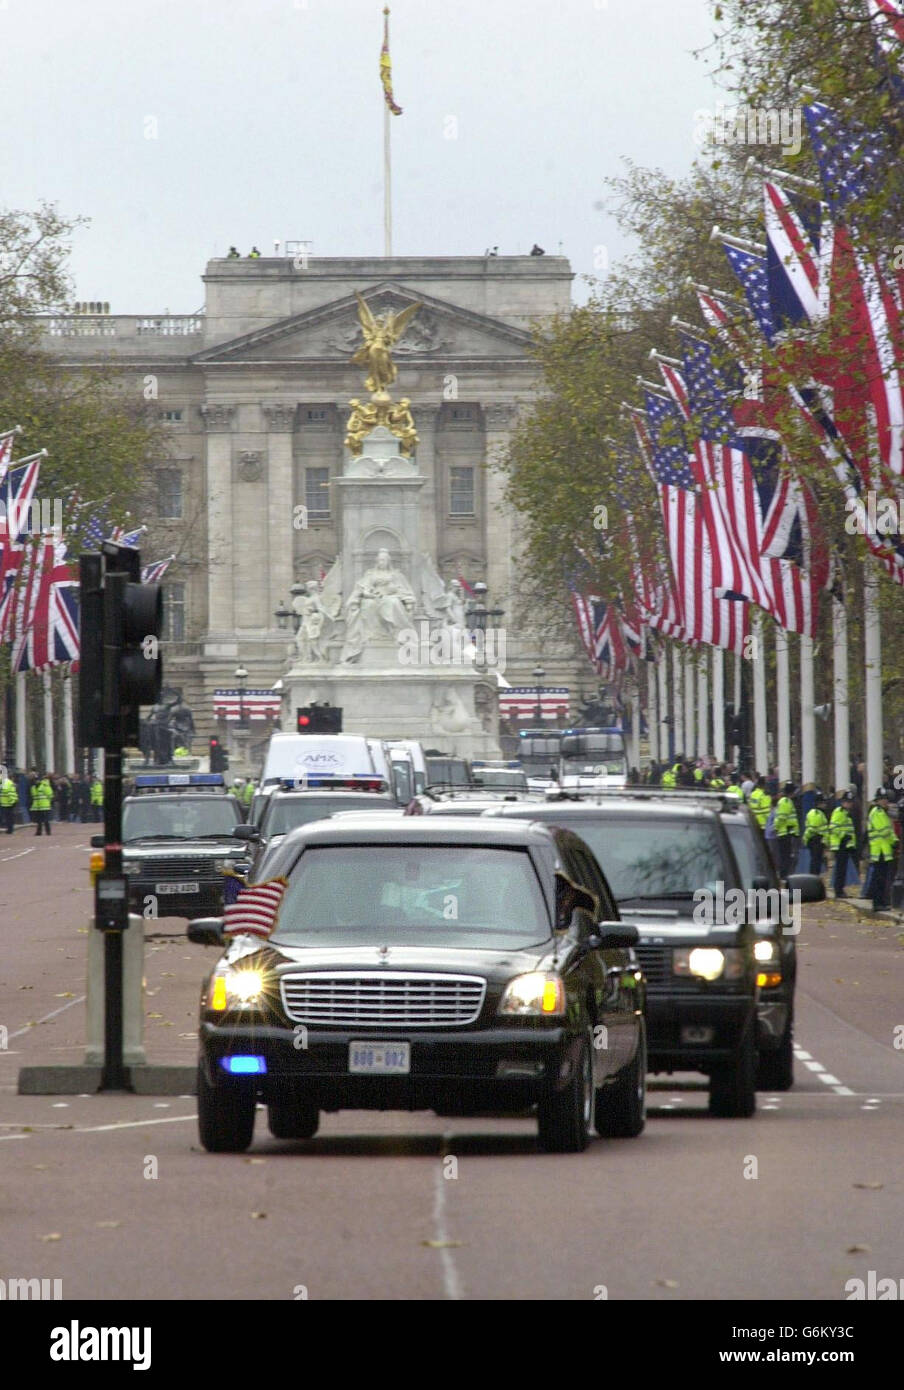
x=538, y=674
x=282, y=616
x=241, y=675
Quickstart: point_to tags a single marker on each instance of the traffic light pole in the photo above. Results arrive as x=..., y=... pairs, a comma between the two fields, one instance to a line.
x=115, y=1076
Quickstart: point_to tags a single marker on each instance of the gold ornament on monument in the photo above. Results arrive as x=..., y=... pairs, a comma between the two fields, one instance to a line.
x=375, y=353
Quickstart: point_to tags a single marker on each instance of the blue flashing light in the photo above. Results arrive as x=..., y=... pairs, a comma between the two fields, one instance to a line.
x=244, y=1066
x=180, y=779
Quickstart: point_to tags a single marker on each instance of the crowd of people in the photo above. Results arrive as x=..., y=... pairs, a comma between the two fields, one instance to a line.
x=803, y=827
x=38, y=798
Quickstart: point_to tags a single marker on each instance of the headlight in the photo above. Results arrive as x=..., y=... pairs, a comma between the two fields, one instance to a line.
x=129, y=868
x=220, y=866
x=709, y=962
x=765, y=950
x=236, y=989
x=535, y=995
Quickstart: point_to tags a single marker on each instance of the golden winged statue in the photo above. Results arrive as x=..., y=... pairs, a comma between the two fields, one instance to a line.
x=380, y=334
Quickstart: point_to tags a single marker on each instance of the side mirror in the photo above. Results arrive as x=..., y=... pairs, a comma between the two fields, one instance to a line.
x=810, y=887
x=206, y=931
x=610, y=936
x=98, y=842
x=245, y=832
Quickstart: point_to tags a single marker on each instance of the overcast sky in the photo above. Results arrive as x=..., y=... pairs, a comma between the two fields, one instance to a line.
x=181, y=126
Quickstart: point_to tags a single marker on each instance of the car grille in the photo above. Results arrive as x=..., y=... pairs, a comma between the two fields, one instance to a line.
x=374, y=999
x=656, y=964
x=162, y=870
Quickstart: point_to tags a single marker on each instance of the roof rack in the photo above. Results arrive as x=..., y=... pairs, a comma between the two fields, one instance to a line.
x=727, y=800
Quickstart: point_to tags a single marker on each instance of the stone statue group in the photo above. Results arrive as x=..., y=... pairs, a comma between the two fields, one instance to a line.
x=380, y=606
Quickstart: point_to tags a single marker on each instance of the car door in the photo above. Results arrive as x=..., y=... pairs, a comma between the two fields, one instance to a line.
x=618, y=972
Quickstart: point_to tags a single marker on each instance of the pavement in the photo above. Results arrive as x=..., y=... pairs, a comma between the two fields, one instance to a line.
x=112, y=1193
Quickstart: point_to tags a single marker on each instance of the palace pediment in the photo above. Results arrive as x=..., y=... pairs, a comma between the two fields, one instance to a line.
x=331, y=333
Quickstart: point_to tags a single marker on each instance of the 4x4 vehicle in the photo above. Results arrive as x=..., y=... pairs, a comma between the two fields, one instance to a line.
x=286, y=810
x=176, y=848
x=466, y=801
x=671, y=866
x=436, y=964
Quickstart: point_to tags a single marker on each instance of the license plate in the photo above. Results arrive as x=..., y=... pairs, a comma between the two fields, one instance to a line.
x=163, y=888
x=379, y=1059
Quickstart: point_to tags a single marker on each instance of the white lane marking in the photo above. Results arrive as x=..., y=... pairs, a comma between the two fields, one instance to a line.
x=821, y=1072
x=843, y=1091
x=451, y=1281
x=814, y=1066
x=829, y=1079
x=22, y=852
x=53, y=1013
x=14, y=1136
x=130, y=1124
x=804, y=1056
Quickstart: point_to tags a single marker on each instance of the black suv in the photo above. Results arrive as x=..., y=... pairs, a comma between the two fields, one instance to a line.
x=661, y=857
x=176, y=848
x=286, y=810
x=451, y=965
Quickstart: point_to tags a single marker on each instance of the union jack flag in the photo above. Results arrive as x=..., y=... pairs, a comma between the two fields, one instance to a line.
x=153, y=573
x=46, y=612
x=16, y=494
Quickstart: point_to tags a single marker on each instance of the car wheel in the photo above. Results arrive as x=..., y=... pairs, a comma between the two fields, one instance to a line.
x=298, y=1118
x=620, y=1109
x=564, y=1117
x=225, y=1114
x=732, y=1088
x=775, y=1071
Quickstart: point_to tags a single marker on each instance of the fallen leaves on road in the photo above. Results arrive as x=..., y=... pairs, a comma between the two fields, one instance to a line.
x=54, y=1235
x=66, y=994
x=258, y=1215
x=108, y=1225
x=26, y=986
x=443, y=1244
x=155, y=1015
x=870, y=1186
x=255, y=1160
x=666, y=1283
x=858, y=1250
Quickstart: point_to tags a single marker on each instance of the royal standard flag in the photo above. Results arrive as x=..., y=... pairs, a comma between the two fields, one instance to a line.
x=386, y=68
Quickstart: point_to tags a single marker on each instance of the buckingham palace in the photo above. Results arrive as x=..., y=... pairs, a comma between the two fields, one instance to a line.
x=253, y=394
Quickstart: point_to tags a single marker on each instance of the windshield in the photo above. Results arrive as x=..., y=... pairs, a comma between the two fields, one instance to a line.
x=594, y=754
x=539, y=754
x=183, y=818
x=651, y=859
x=284, y=816
x=751, y=863
x=448, y=896
x=499, y=777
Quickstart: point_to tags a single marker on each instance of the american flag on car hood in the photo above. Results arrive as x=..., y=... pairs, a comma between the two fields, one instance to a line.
x=255, y=910
x=258, y=704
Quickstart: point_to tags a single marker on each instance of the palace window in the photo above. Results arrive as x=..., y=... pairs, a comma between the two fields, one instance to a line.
x=174, y=612
x=316, y=415
x=169, y=492
x=461, y=491
x=317, y=493
x=171, y=417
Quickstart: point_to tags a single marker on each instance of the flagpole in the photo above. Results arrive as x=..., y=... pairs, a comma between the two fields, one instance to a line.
x=718, y=704
x=21, y=726
x=807, y=715
x=842, y=718
x=736, y=703
x=872, y=653
x=677, y=701
x=68, y=735
x=690, y=728
x=760, y=750
x=662, y=680
x=703, y=745
x=783, y=694
x=652, y=711
x=49, y=763
x=387, y=185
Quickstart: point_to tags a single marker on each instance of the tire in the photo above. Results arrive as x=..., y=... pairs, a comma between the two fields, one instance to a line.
x=732, y=1089
x=620, y=1109
x=298, y=1118
x=225, y=1115
x=564, y=1117
x=775, y=1071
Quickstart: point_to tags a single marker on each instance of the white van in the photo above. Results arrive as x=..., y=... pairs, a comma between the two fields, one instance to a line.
x=300, y=758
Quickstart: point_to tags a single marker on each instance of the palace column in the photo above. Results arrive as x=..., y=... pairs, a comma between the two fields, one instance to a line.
x=281, y=519
x=425, y=422
x=218, y=423
x=499, y=419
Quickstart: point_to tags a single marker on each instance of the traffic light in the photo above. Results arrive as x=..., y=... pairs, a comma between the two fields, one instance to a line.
x=219, y=758
x=319, y=719
x=119, y=630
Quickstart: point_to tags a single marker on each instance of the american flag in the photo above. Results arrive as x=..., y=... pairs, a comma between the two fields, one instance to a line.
x=887, y=18
x=153, y=573
x=520, y=702
x=654, y=587
x=750, y=269
x=255, y=910
x=851, y=159
x=743, y=482
x=257, y=704
x=705, y=617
